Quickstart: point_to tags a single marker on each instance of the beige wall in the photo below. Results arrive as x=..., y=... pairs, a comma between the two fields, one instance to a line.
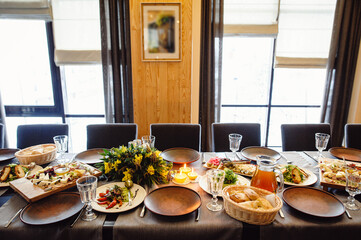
x=162, y=91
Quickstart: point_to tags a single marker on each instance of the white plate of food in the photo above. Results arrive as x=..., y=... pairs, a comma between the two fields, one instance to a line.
x=240, y=167
x=117, y=189
x=12, y=172
x=242, y=181
x=296, y=176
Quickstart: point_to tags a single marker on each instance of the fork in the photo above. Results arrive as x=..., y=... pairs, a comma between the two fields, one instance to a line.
x=135, y=194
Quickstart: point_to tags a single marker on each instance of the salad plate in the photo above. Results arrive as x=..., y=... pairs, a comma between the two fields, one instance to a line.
x=251, y=153
x=240, y=181
x=310, y=179
x=180, y=155
x=90, y=156
x=138, y=199
x=32, y=171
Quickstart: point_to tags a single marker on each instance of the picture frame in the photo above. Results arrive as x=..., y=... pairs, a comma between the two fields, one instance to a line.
x=161, y=31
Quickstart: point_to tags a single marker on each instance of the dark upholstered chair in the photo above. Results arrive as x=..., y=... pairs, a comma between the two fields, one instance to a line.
x=251, y=135
x=353, y=135
x=110, y=135
x=169, y=135
x=2, y=135
x=33, y=134
x=301, y=137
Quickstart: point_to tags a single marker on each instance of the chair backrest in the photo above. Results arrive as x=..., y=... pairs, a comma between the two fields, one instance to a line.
x=33, y=134
x=110, y=134
x=353, y=135
x=301, y=137
x=169, y=135
x=251, y=135
x=2, y=135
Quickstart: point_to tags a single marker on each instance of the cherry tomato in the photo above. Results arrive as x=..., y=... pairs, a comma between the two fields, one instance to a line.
x=102, y=199
x=112, y=204
x=103, y=203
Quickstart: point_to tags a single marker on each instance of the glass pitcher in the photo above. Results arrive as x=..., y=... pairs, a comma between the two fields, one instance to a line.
x=265, y=175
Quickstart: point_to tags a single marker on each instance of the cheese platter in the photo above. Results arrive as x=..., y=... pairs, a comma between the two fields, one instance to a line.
x=52, y=179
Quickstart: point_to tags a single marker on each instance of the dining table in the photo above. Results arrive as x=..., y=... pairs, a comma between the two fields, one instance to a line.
x=211, y=225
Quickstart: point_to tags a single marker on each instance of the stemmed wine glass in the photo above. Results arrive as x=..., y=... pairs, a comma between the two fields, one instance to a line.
x=87, y=188
x=234, y=142
x=215, y=178
x=353, y=186
x=61, y=143
x=321, y=142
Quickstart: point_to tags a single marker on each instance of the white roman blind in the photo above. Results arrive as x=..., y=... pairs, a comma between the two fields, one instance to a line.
x=76, y=26
x=305, y=28
x=25, y=9
x=250, y=17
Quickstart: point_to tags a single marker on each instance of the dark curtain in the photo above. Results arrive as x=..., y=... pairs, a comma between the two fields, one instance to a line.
x=211, y=67
x=341, y=66
x=116, y=60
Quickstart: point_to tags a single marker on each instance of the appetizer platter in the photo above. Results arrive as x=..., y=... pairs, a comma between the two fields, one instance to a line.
x=296, y=176
x=332, y=172
x=244, y=168
x=113, y=197
x=51, y=179
x=12, y=172
x=230, y=179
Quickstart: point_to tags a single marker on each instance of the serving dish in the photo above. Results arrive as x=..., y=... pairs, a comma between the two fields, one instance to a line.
x=141, y=193
x=56, y=208
x=33, y=193
x=31, y=171
x=172, y=201
x=180, y=155
x=90, y=156
x=351, y=154
x=242, y=181
x=310, y=180
x=244, y=168
x=7, y=153
x=313, y=201
x=251, y=153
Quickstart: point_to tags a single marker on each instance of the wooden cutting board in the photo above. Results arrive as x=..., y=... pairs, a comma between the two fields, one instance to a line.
x=33, y=193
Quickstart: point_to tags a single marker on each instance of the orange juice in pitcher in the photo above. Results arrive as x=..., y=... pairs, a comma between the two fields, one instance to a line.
x=265, y=175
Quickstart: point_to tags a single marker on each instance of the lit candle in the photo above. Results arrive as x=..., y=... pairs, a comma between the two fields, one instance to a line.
x=185, y=169
x=192, y=175
x=180, y=177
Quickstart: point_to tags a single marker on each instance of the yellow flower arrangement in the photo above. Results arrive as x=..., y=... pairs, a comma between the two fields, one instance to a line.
x=144, y=166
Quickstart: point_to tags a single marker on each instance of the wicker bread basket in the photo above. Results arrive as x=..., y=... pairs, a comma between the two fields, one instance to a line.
x=27, y=155
x=252, y=216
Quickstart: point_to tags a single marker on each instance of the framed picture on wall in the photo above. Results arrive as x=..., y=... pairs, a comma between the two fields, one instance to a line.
x=161, y=37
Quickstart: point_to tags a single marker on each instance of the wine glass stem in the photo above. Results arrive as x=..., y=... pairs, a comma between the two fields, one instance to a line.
x=89, y=208
x=320, y=154
x=214, y=200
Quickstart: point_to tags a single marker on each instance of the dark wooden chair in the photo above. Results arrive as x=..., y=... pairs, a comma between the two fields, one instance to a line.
x=110, y=134
x=33, y=134
x=169, y=135
x=301, y=137
x=2, y=135
x=251, y=135
x=353, y=135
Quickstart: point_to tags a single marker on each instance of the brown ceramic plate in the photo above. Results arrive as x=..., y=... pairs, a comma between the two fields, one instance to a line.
x=90, y=156
x=53, y=209
x=180, y=155
x=7, y=153
x=251, y=153
x=313, y=201
x=351, y=154
x=172, y=201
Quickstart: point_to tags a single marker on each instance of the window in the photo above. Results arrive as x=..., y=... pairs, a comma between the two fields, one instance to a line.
x=274, y=64
x=35, y=90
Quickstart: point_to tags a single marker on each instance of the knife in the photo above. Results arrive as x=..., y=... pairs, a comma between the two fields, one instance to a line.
x=198, y=214
x=135, y=194
x=308, y=155
x=11, y=219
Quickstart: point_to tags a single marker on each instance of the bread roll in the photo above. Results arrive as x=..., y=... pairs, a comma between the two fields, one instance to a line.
x=251, y=194
x=239, y=197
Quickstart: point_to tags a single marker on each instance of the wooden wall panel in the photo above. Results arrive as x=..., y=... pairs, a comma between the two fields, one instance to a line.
x=161, y=90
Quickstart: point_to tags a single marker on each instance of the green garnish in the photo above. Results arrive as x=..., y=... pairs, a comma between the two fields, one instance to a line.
x=230, y=177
